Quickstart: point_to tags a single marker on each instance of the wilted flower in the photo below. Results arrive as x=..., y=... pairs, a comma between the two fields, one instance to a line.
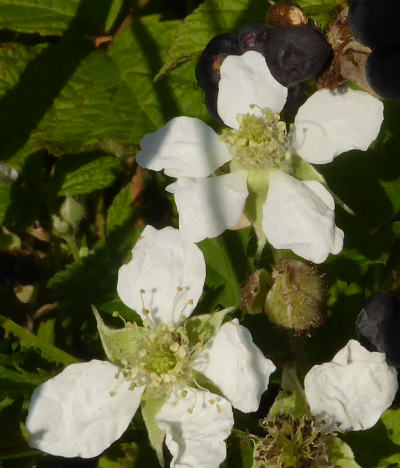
x=269, y=178
x=351, y=392
x=165, y=366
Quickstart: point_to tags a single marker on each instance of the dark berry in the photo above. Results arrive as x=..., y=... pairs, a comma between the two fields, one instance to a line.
x=375, y=23
x=252, y=37
x=208, y=67
x=296, y=54
x=383, y=72
x=378, y=325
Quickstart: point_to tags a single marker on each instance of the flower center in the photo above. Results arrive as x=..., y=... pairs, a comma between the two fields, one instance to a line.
x=292, y=442
x=164, y=359
x=260, y=142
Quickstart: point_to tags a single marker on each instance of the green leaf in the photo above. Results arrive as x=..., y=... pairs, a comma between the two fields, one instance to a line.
x=85, y=173
x=202, y=328
x=373, y=447
x=49, y=17
x=391, y=419
x=109, y=101
x=322, y=11
x=46, y=331
x=115, y=9
x=5, y=200
x=93, y=279
x=120, y=455
x=13, y=380
x=103, y=99
x=227, y=263
x=211, y=18
x=392, y=191
x=240, y=450
x=29, y=340
x=120, y=344
x=150, y=407
x=340, y=454
x=121, y=208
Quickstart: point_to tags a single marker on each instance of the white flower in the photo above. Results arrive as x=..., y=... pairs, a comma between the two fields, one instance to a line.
x=88, y=406
x=296, y=215
x=351, y=392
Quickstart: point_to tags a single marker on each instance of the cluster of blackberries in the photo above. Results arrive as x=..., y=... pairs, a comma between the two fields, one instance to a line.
x=378, y=325
x=293, y=54
x=375, y=23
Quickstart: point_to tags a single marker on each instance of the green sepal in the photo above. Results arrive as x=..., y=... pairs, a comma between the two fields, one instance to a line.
x=120, y=344
x=202, y=328
x=340, y=454
x=291, y=399
x=150, y=407
x=257, y=185
x=303, y=170
x=200, y=381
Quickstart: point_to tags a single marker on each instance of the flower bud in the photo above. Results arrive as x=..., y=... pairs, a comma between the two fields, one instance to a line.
x=72, y=211
x=60, y=226
x=296, y=297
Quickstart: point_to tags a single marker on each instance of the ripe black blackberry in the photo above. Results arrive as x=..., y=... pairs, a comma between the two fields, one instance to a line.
x=375, y=23
x=378, y=325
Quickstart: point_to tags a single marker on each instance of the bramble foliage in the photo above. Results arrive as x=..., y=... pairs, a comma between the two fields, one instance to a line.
x=81, y=82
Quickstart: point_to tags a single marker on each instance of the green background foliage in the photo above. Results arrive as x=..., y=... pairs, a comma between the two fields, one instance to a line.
x=81, y=82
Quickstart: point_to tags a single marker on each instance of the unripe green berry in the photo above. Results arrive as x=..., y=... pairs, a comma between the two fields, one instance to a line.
x=296, y=298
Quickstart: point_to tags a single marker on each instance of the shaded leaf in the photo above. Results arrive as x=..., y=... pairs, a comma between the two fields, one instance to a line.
x=121, y=208
x=85, y=173
x=29, y=340
x=48, y=17
x=93, y=279
x=227, y=263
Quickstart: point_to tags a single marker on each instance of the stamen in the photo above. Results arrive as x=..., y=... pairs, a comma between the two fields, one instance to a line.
x=260, y=143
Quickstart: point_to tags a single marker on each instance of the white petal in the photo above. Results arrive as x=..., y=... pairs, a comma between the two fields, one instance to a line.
x=299, y=215
x=171, y=272
x=233, y=362
x=208, y=206
x=352, y=391
x=245, y=80
x=184, y=147
x=196, y=427
x=81, y=411
x=329, y=123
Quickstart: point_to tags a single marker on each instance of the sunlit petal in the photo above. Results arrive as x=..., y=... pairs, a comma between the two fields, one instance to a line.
x=165, y=276
x=209, y=206
x=329, y=123
x=184, y=147
x=351, y=392
x=233, y=362
x=246, y=80
x=81, y=411
x=196, y=427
